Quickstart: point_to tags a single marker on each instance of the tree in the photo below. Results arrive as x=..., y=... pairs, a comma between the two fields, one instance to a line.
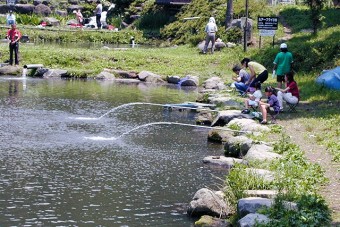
x=315, y=7
x=229, y=14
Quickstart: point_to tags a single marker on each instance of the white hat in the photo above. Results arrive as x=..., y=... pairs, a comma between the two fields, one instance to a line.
x=283, y=45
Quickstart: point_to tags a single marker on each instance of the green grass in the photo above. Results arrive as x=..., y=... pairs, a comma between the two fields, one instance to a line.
x=296, y=180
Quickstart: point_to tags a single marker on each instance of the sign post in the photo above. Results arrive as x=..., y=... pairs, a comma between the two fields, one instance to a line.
x=245, y=26
x=267, y=26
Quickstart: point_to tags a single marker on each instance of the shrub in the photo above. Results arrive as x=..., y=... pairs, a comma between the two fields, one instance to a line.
x=312, y=211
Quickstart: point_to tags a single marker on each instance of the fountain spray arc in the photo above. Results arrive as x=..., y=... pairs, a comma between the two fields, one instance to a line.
x=164, y=123
x=169, y=106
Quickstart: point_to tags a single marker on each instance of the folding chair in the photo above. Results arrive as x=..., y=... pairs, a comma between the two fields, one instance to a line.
x=292, y=107
x=274, y=115
x=255, y=108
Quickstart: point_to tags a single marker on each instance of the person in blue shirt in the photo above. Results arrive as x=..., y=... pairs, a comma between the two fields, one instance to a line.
x=241, y=79
x=272, y=102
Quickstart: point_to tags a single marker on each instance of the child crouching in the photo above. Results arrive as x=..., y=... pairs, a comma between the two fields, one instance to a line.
x=253, y=99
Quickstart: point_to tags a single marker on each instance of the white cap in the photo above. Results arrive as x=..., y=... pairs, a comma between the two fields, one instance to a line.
x=283, y=45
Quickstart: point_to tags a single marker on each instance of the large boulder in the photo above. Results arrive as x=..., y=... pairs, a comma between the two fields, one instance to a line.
x=225, y=116
x=173, y=79
x=56, y=73
x=219, y=135
x=237, y=147
x=208, y=202
x=10, y=70
x=214, y=83
x=24, y=8
x=39, y=72
x=204, y=117
x=104, y=75
x=150, y=77
x=253, y=220
x=220, y=99
x=71, y=8
x=249, y=125
x=189, y=81
x=123, y=74
x=37, y=2
x=222, y=161
x=261, y=152
x=62, y=13
x=208, y=221
x=42, y=9
x=51, y=21
x=237, y=23
x=4, y=8
x=252, y=205
x=219, y=44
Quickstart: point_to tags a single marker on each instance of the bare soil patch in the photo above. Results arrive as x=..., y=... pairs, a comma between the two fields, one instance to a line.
x=295, y=127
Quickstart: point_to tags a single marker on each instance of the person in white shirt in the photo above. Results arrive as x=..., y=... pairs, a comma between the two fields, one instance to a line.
x=211, y=30
x=98, y=11
x=10, y=18
x=253, y=99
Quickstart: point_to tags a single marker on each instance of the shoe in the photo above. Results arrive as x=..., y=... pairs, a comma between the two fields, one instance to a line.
x=263, y=122
x=245, y=111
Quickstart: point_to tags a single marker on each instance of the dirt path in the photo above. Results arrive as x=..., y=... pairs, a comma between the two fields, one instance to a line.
x=314, y=152
x=317, y=154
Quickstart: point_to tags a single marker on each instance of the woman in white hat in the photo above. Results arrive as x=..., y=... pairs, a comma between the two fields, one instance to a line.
x=282, y=64
x=210, y=30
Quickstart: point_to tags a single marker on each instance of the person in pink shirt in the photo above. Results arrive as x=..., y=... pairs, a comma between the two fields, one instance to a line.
x=13, y=36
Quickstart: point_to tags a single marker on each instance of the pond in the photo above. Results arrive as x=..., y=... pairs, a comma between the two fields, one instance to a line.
x=70, y=157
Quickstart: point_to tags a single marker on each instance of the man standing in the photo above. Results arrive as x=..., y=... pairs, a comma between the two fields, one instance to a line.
x=98, y=11
x=282, y=64
x=210, y=30
x=13, y=36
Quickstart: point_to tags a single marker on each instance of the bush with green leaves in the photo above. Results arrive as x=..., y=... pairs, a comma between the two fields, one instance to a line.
x=26, y=19
x=312, y=211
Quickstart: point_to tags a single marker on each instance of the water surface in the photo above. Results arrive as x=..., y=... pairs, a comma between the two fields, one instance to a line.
x=62, y=164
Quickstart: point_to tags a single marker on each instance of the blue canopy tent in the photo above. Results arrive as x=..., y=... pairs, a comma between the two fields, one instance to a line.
x=330, y=78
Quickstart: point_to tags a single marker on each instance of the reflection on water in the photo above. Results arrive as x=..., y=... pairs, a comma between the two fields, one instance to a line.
x=51, y=175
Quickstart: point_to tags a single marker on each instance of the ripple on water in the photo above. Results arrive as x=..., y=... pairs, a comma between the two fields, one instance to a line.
x=52, y=174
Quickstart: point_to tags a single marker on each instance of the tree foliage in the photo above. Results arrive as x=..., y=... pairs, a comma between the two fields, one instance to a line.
x=315, y=7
